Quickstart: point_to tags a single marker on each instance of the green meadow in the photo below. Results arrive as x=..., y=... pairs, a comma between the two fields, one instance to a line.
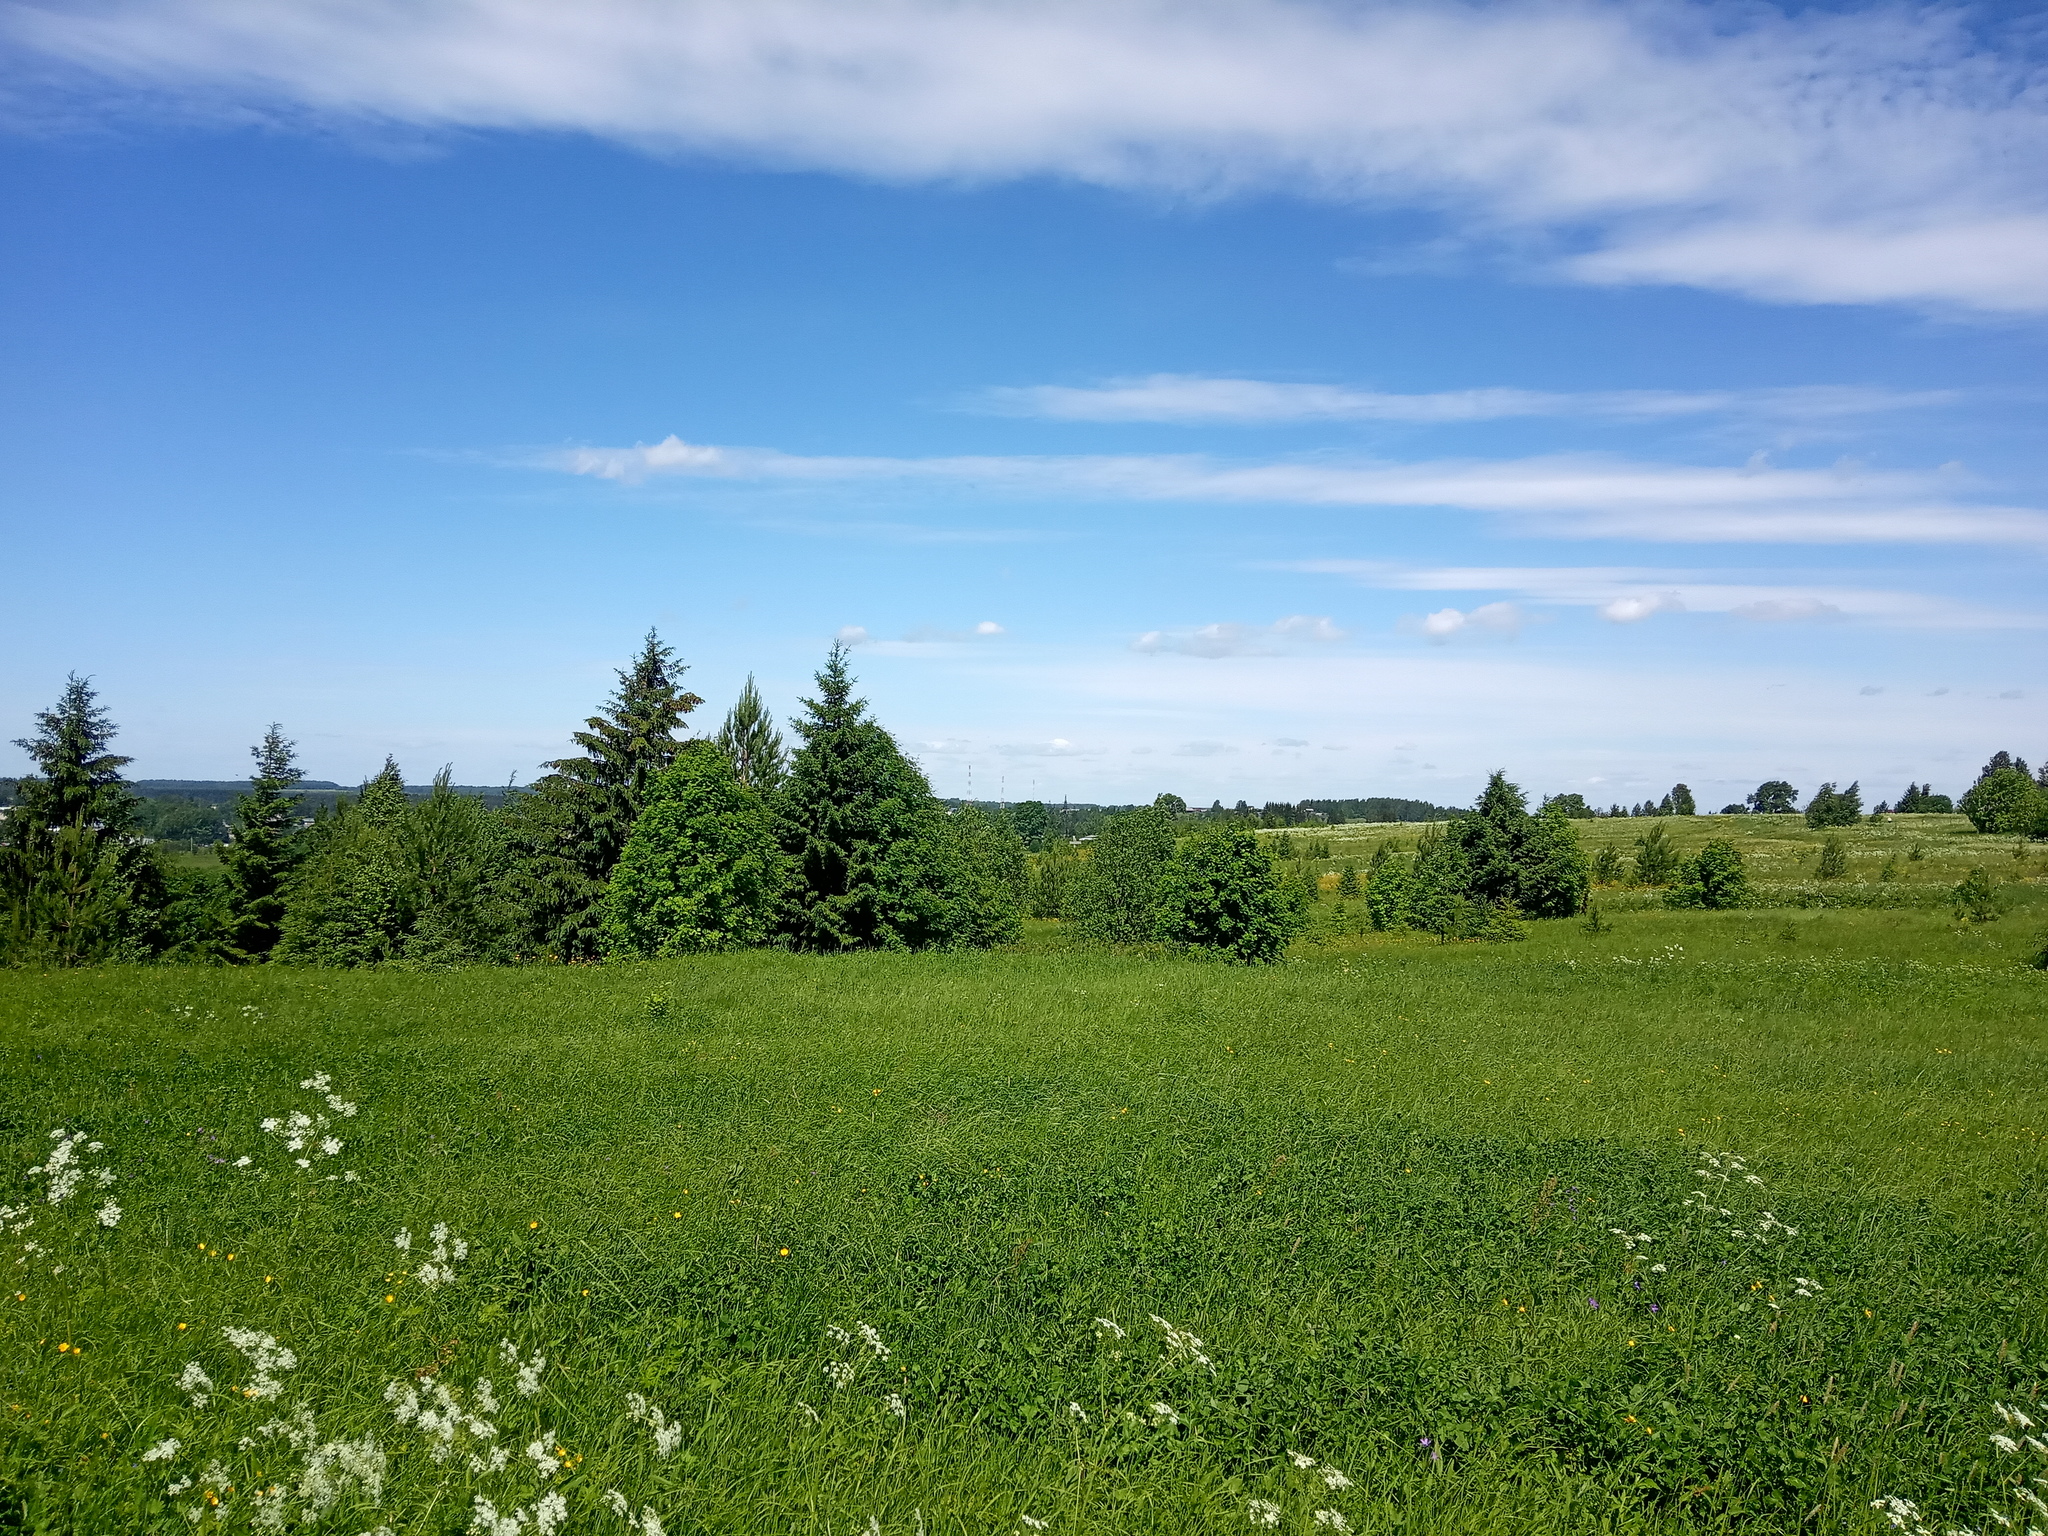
x=1710, y=1221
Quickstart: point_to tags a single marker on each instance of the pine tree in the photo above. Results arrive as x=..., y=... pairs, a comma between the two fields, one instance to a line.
x=75, y=885
x=567, y=832
x=1347, y=883
x=1831, y=807
x=261, y=856
x=752, y=744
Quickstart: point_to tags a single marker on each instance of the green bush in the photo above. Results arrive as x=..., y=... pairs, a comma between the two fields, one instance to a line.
x=1834, y=859
x=1656, y=861
x=1831, y=807
x=2006, y=800
x=703, y=869
x=1713, y=878
x=1115, y=892
x=1219, y=893
x=1976, y=899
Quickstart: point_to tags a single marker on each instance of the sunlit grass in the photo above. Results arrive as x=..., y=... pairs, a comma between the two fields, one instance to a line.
x=1378, y=1184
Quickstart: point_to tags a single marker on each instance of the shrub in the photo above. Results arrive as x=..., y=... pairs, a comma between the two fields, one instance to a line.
x=1219, y=892
x=1115, y=891
x=1713, y=878
x=1656, y=860
x=2006, y=800
x=1976, y=899
x=1834, y=859
x=1553, y=878
x=1607, y=866
x=703, y=870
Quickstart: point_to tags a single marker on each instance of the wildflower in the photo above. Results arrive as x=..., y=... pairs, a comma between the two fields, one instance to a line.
x=1264, y=1512
x=243, y=1162
x=2013, y=1417
x=2006, y=1443
x=1163, y=1414
x=1301, y=1461
x=893, y=1401
x=838, y=1372
x=318, y=1082
x=195, y=1384
x=1036, y=1525
x=163, y=1450
x=1181, y=1343
x=1656, y=1269
x=667, y=1436
x=1076, y=1411
x=330, y=1145
x=109, y=1214
x=1109, y=1327
x=873, y=1340
x=1334, y=1480
x=267, y=1358
x=543, y=1458
x=811, y=1415
x=1332, y=1519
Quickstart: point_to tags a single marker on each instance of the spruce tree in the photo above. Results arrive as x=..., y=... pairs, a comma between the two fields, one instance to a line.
x=567, y=832
x=260, y=857
x=752, y=744
x=871, y=852
x=76, y=886
x=1493, y=839
x=1554, y=880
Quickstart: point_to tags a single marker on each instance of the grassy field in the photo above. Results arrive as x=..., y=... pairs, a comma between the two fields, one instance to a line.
x=1461, y=1227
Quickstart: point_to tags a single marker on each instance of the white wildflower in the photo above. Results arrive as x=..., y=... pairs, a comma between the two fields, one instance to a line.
x=618, y=1503
x=811, y=1415
x=1183, y=1344
x=1334, y=1480
x=2033, y=1499
x=542, y=1457
x=109, y=1214
x=838, y=1335
x=484, y=1395
x=180, y=1486
x=1301, y=1461
x=243, y=1162
x=1109, y=1327
x=267, y=1358
x=1036, y=1525
x=1264, y=1512
x=873, y=1340
x=1656, y=1269
x=667, y=1436
x=340, y=1106
x=318, y=1082
x=195, y=1384
x=349, y=1177
x=106, y=1178
x=403, y=1242
x=303, y=1162
x=163, y=1450
x=893, y=1401
x=331, y=1145
x=838, y=1372
x=1076, y=1411
x=270, y=1125
x=1332, y=1519
x=2006, y=1443
x=1163, y=1414
x=2012, y=1416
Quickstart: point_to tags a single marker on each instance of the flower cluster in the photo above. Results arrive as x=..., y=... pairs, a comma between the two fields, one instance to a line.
x=1182, y=1347
x=646, y=1523
x=67, y=1171
x=857, y=1348
x=438, y=1268
x=308, y=1134
x=667, y=1435
x=1266, y=1513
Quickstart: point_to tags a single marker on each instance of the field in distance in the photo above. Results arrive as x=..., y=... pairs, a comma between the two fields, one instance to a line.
x=1711, y=1222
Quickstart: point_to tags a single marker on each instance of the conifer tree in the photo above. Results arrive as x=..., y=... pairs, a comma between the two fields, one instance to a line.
x=1493, y=840
x=75, y=885
x=874, y=865
x=567, y=832
x=260, y=857
x=752, y=744
x=1553, y=880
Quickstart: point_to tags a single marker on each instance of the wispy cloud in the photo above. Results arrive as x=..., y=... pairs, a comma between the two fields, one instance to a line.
x=1214, y=641
x=1872, y=155
x=1631, y=594
x=1565, y=495
x=1489, y=621
x=1192, y=399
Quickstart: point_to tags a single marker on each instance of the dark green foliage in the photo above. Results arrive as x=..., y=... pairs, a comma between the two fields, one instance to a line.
x=1834, y=858
x=1681, y=801
x=1033, y=822
x=568, y=831
x=1573, y=805
x=1173, y=805
x=752, y=744
x=2004, y=800
x=1774, y=797
x=179, y=819
x=1283, y=846
x=1218, y=892
x=1921, y=800
x=1052, y=877
x=1493, y=839
x=1113, y=897
x=76, y=886
x=1374, y=808
x=1976, y=898
x=386, y=880
x=1607, y=865
x=1656, y=861
x=264, y=851
x=1348, y=884
x=704, y=869
x=1713, y=878
x=1553, y=877
x=1831, y=807
x=1734, y=810
x=878, y=861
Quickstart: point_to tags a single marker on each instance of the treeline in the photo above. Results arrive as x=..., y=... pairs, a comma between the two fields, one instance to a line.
x=643, y=843
x=2004, y=798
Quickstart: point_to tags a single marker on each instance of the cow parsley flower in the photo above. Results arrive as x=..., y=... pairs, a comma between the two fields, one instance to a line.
x=163, y=1450
x=1334, y=1480
x=1301, y=1461
x=195, y=1384
x=109, y=1215
x=1109, y=1327
x=1163, y=1415
x=1333, y=1520
x=267, y=1358
x=667, y=1436
x=893, y=1401
x=1263, y=1512
x=839, y=1373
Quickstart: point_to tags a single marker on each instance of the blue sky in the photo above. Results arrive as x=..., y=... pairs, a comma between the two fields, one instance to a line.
x=1259, y=401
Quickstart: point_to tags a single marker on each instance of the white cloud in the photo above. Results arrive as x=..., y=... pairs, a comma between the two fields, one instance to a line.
x=1629, y=594
x=1288, y=741
x=1492, y=621
x=1192, y=399
x=1873, y=155
x=1567, y=495
x=1203, y=749
x=1059, y=746
x=988, y=627
x=1225, y=639
x=852, y=634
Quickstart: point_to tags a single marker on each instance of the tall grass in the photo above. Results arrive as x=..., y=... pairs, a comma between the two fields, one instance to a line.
x=1401, y=1236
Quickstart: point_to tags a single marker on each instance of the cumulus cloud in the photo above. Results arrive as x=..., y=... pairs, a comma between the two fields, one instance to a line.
x=1218, y=640
x=1629, y=610
x=1489, y=621
x=1569, y=495
x=1882, y=155
x=1196, y=400
x=852, y=634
